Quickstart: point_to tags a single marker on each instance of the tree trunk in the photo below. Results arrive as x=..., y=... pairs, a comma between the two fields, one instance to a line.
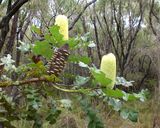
x=89, y=51
x=97, y=39
x=4, y=23
x=156, y=119
x=21, y=34
x=11, y=41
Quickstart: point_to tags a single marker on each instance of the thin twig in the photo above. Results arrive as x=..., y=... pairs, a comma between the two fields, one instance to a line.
x=80, y=14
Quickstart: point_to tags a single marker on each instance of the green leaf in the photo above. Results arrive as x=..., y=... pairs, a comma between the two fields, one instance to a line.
x=141, y=95
x=72, y=43
x=36, y=30
x=94, y=120
x=77, y=59
x=120, y=94
x=124, y=114
x=131, y=97
x=133, y=116
x=48, y=37
x=80, y=80
x=56, y=36
x=129, y=114
x=43, y=48
x=100, y=77
x=53, y=114
x=114, y=93
x=115, y=103
x=52, y=78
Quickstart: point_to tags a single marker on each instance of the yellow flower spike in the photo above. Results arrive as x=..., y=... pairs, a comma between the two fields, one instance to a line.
x=62, y=22
x=108, y=67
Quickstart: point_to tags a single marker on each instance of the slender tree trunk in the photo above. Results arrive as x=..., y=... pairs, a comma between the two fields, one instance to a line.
x=156, y=119
x=21, y=34
x=89, y=51
x=4, y=31
x=11, y=41
x=97, y=39
x=4, y=23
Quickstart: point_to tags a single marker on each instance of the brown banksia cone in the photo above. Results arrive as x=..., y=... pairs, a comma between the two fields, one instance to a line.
x=58, y=61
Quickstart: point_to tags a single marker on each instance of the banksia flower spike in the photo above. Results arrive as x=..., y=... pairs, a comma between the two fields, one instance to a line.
x=108, y=67
x=62, y=22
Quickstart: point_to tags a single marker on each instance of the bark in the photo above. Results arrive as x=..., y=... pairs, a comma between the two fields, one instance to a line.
x=20, y=36
x=156, y=118
x=4, y=24
x=11, y=41
x=97, y=39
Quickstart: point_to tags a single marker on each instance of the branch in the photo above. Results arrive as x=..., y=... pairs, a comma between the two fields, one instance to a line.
x=43, y=79
x=9, y=5
x=11, y=10
x=23, y=82
x=80, y=14
x=111, y=37
x=16, y=7
x=136, y=31
x=150, y=18
x=4, y=23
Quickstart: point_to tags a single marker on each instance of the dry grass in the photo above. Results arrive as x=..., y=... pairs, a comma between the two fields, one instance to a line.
x=111, y=119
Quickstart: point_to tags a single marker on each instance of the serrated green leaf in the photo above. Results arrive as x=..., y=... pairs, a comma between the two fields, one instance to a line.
x=72, y=43
x=43, y=48
x=77, y=59
x=129, y=114
x=48, y=38
x=114, y=93
x=100, y=77
x=56, y=36
x=133, y=116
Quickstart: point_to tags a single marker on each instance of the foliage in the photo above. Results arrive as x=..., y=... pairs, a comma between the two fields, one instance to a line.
x=94, y=120
x=40, y=102
x=8, y=110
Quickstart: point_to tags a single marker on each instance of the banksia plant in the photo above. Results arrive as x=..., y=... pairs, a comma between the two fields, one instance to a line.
x=58, y=61
x=108, y=67
x=62, y=22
